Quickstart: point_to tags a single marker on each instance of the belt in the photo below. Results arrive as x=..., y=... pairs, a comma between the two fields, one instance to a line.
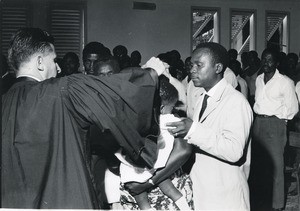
x=264, y=116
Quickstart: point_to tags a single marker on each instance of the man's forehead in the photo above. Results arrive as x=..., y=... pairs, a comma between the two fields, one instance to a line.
x=92, y=56
x=200, y=53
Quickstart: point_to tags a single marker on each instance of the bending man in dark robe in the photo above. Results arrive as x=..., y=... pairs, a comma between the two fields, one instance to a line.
x=45, y=121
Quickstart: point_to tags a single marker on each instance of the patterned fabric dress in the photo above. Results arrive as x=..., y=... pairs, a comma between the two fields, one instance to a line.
x=158, y=199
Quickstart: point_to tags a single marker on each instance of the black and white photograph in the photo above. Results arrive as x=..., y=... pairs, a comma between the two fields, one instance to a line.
x=150, y=105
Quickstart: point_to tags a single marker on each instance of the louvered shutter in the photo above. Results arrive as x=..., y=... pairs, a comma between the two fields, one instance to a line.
x=67, y=29
x=241, y=30
x=276, y=30
x=203, y=27
x=273, y=23
x=13, y=17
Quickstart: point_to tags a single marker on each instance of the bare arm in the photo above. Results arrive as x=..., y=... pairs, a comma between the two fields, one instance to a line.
x=179, y=155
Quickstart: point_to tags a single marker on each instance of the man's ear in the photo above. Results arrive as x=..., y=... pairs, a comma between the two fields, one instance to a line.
x=40, y=65
x=219, y=68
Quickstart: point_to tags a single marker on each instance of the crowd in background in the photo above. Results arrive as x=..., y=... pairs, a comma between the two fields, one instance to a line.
x=242, y=73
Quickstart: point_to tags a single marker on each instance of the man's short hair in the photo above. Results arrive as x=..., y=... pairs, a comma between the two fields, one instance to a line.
x=26, y=42
x=120, y=50
x=292, y=56
x=111, y=61
x=273, y=52
x=167, y=92
x=71, y=55
x=96, y=48
x=218, y=53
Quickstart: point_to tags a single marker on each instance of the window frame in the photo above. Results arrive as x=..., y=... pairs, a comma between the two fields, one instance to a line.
x=287, y=14
x=253, y=34
x=217, y=21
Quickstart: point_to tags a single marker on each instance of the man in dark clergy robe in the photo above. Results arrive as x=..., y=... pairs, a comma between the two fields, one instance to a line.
x=45, y=121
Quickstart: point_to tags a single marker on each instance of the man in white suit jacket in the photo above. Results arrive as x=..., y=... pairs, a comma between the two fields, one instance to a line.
x=220, y=136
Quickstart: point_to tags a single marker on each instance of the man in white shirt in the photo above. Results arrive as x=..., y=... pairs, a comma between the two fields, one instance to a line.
x=220, y=135
x=275, y=104
x=298, y=91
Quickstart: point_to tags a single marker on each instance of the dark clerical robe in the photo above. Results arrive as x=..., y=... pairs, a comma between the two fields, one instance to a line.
x=44, y=128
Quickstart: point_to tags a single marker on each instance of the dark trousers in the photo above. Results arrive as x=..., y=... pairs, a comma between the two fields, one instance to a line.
x=267, y=168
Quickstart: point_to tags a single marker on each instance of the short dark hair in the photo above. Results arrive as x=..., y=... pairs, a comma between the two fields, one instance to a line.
x=273, y=52
x=26, y=42
x=218, y=53
x=111, y=61
x=96, y=48
x=167, y=92
x=233, y=53
x=292, y=56
x=71, y=55
x=120, y=50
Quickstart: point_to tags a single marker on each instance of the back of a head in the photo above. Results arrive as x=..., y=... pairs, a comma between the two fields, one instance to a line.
x=292, y=56
x=235, y=66
x=135, y=58
x=71, y=55
x=175, y=54
x=168, y=93
x=25, y=43
x=218, y=53
x=252, y=55
x=163, y=57
x=232, y=53
x=120, y=50
x=136, y=55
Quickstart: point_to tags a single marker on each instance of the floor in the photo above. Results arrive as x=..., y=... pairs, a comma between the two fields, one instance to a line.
x=292, y=203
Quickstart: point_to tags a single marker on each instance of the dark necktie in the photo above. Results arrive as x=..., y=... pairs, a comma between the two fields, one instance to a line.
x=204, y=105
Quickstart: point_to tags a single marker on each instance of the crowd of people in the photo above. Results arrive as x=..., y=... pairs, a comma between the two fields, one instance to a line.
x=208, y=132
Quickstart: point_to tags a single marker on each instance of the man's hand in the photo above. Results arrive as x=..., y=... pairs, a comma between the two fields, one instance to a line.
x=156, y=64
x=135, y=188
x=181, y=128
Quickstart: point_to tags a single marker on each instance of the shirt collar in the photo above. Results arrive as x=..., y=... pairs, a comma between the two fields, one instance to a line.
x=276, y=75
x=212, y=91
x=29, y=76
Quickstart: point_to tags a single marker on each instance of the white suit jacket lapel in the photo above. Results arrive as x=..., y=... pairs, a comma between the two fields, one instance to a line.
x=214, y=100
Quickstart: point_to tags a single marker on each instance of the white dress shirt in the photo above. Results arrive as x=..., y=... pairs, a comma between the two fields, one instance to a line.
x=243, y=84
x=298, y=91
x=230, y=77
x=192, y=96
x=181, y=90
x=276, y=97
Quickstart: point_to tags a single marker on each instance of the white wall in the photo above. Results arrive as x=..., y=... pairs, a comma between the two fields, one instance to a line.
x=114, y=22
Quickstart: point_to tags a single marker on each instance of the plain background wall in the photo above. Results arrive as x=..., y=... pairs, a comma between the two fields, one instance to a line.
x=114, y=22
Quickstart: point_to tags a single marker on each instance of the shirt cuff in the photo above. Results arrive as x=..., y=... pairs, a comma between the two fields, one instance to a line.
x=190, y=132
